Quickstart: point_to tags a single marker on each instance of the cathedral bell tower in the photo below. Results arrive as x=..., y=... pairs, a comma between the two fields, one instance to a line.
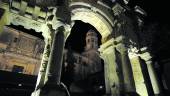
x=91, y=40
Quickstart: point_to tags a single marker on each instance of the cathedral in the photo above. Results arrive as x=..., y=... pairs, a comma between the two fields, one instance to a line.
x=85, y=68
x=121, y=66
x=89, y=61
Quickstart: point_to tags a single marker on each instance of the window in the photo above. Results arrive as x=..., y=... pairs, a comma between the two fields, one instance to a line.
x=88, y=40
x=17, y=69
x=79, y=59
x=92, y=40
x=15, y=39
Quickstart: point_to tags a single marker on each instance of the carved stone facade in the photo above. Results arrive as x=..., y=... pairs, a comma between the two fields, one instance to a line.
x=20, y=52
x=121, y=50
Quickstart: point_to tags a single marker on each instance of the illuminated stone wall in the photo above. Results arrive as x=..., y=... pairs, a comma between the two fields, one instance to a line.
x=20, y=49
x=2, y=19
x=117, y=24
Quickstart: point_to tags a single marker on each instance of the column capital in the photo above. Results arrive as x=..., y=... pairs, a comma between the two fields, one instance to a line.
x=115, y=42
x=106, y=45
x=133, y=52
x=117, y=9
x=145, y=55
x=121, y=48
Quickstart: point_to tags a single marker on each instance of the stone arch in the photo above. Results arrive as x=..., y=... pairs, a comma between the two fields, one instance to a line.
x=94, y=12
x=103, y=21
x=93, y=15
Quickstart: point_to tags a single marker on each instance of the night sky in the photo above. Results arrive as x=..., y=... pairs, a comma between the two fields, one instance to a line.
x=158, y=13
x=157, y=10
x=76, y=40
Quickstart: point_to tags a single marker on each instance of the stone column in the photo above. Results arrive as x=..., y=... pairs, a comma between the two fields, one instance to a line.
x=106, y=72
x=43, y=67
x=48, y=83
x=53, y=73
x=110, y=68
x=153, y=77
x=139, y=75
x=129, y=86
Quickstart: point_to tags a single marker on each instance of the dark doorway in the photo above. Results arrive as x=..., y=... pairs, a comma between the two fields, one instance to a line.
x=17, y=69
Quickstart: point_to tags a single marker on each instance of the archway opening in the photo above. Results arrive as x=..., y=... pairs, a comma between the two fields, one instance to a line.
x=83, y=70
x=76, y=40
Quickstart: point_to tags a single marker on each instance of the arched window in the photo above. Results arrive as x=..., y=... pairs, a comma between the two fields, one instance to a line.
x=88, y=40
x=15, y=39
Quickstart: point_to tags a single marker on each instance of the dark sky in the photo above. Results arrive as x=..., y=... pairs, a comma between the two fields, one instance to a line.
x=157, y=10
x=76, y=40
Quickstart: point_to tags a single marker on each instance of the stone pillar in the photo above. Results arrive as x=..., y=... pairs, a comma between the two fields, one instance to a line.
x=106, y=72
x=139, y=76
x=129, y=86
x=118, y=71
x=54, y=67
x=43, y=67
x=48, y=83
x=112, y=83
x=153, y=77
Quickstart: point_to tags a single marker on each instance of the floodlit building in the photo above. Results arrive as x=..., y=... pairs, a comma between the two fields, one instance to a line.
x=128, y=66
x=84, y=68
x=89, y=61
x=20, y=52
